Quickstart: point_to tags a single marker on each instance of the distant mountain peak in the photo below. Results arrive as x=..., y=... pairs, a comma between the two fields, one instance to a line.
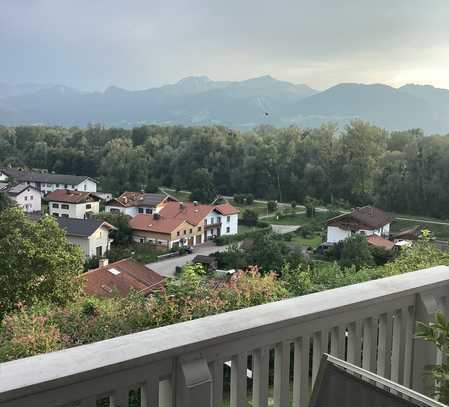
x=194, y=79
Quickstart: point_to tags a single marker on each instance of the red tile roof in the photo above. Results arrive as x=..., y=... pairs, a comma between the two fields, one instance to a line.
x=189, y=212
x=121, y=277
x=75, y=197
x=378, y=241
x=227, y=209
x=148, y=223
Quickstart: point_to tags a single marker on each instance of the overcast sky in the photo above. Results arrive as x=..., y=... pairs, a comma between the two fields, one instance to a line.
x=91, y=44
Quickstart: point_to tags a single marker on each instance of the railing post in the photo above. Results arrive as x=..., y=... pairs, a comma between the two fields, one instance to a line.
x=424, y=353
x=194, y=384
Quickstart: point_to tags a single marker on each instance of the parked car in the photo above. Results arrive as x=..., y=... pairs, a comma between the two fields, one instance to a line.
x=324, y=247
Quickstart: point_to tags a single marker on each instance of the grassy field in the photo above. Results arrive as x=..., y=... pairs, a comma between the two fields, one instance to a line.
x=312, y=241
x=300, y=219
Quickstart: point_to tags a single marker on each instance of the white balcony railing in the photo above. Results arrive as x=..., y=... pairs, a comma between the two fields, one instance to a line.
x=370, y=325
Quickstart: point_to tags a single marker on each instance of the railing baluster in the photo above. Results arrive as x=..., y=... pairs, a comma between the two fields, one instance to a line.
x=320, y=342
x=384, y=347
x=301, y=382
x=338, y=338
x=397, y=347
x=281, y=374
x=354, y=343
x=238, y=380
x=369, y=344
x=165, y=389
x=149, y=393
x=261, y=358
x=216, y=369
x=409, y=314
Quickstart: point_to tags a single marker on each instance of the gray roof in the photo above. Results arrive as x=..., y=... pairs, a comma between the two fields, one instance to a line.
x=80, y=227
x=3, y=185
x=48, y=178
x=15, y=189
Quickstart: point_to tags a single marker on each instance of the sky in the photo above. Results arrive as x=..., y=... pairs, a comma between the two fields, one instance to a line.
x=137, y=44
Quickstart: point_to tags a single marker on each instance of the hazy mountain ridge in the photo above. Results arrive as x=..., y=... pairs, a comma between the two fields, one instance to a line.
x=241, y=104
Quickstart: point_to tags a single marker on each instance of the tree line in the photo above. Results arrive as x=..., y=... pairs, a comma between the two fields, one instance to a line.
x=361, y=164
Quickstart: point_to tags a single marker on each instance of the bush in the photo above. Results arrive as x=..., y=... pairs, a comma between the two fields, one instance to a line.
x=293, y=204
x=272, y=206
x=249, y=199
x=239, y=199
x=224, y=240
x=249, y=218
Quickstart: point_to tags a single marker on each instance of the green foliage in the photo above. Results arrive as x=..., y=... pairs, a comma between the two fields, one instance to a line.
x=239, y=199
x=249, y=218
x=44, y=328
x=437, y=332
x=403, y=172
x=249, y=199
x=223, y=240
x=37, y=262
x=202, y=186
x=5, y=201
x=352, y=251
x=272, y=206
x=293, y=204
x=122, y=235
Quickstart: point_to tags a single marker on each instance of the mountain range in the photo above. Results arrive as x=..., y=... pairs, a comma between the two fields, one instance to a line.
x=238, y=104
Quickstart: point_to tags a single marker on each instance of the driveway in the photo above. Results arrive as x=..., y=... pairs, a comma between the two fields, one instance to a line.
x=168, y=266
x=281, y=229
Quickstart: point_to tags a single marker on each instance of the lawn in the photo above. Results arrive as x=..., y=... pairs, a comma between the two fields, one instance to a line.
x=244, y=229
x=312, y=241
x=181, y=196
x=300, y=219
x=259, y=208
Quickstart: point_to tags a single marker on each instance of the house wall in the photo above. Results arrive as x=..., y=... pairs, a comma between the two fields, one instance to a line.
x=131, y=211
x=335, y=234
x=189, y=235
x=74, y=210
x=99, y=238
x=29, y=200
x=82, y=242
x=87, y=185
x=161, y=239
x=3, y=176
x=231, y=222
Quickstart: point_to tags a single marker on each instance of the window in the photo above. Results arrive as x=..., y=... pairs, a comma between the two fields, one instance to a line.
x=205, y=221
x=31, y=197
x=199, y=228
x=99, y=251
x=114, y=210
x=142, y=240
x=65, y=186
x=191, y=230
x=85, y=187
x=185, y=231
x=56, y=215
x=64, y=206
x=64, y=215
x=140, y=210
x=178, y=233
x=88, y=206
x=228, y=229
x=228, y=218
x=26, y=198
x=55, y=205
x=149, y=211
x=211, y=221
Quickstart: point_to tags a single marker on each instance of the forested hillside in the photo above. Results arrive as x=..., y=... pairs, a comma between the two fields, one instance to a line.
x=362, y=164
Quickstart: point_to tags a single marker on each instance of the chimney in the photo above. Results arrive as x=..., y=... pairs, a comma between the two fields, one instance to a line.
x=103, y=262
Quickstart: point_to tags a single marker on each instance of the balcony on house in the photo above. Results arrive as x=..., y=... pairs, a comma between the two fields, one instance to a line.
x=370, y=325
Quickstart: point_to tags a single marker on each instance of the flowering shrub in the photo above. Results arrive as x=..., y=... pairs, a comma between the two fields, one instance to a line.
x=45, y=328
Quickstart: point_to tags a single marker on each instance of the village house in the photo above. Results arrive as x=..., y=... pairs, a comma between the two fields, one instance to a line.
x=365, y=221
x=25, y=196
x=134, y=203
x=72, y=204
x=184, y=224
x=91, y=235
x=120, y=278
x=47, y=182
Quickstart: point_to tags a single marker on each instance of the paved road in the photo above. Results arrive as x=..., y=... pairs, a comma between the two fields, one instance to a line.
x=434, y=222
x=284, y=228
x=168, y=266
